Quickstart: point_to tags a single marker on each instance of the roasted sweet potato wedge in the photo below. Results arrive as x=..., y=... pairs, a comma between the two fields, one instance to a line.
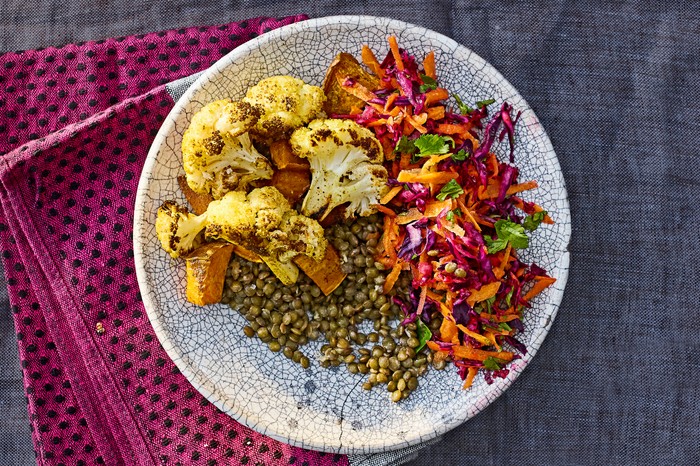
x=246, y=254
x=338, y=100
x=326, y=273
x=206, y=272
x=284, y=159
x=292, y=183
x=199, y=202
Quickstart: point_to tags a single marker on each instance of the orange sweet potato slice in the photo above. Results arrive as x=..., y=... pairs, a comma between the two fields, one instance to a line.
x=284, y=159
x=206, y=272
x=325, y=273
x=292, y=183
x=199, y=202
x=338, y=100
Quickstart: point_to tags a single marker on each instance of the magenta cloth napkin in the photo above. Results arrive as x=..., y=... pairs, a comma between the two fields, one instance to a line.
x=76, y=123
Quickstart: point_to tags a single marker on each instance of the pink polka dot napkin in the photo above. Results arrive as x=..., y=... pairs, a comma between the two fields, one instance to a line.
x=76, y=123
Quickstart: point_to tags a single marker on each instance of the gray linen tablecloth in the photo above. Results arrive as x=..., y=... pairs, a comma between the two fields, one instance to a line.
x=614, y=84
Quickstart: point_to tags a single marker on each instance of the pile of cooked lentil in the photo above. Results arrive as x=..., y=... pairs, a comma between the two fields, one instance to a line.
x=360, y=324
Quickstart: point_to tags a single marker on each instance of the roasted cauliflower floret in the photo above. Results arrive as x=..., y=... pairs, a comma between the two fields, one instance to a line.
x=346, y=167
x=264, y=222
x=217, y=152
x=286, y=103
x=178, y=230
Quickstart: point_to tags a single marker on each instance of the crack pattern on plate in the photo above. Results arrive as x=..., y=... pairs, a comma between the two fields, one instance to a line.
x=316, y=408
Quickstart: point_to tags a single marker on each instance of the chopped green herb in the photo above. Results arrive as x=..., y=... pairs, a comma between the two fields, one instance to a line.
x=510, y=231
x=489, y=303
x=531, y=222
x=504, y=326
x=450, y=216
x=414, y=257
x=484, y=103
x=494, y=245
x=428, y=83
x=463, y=108
x=424, y=334
x=451, y=189
x=432, y=144
x=509, y=296
x=405, y=146
x=458, y=211
x=493, y=364
x=460, y=156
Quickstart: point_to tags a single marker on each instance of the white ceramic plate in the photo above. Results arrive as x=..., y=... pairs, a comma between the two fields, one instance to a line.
x=317, y=408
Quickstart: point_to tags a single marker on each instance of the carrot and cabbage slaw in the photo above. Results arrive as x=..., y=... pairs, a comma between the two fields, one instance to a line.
x=453, y=217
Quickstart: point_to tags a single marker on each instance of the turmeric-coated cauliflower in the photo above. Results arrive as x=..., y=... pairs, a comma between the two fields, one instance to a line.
x=217, y=152
x=264, y=222
x=285, y=103
x=346, y=167
x=179, y=230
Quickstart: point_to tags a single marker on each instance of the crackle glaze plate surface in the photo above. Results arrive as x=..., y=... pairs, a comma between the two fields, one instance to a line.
x=318, y=408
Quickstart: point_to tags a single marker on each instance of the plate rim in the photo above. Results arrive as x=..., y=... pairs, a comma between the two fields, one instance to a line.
x=173, y=351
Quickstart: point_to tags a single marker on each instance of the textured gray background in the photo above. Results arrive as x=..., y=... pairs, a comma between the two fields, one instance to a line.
x=616, y=86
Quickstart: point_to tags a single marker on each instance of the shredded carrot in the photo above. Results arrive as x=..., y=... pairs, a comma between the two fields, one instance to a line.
x=429, y=65
x=448, y=331
x=415, y=122
x=434, y=160
x=393, y=276
x=358, y=90
x=415, y=176
x=394, y=46
x=411, y=215
x=540, y=284
x=371, y=61
x=436, y=113
x=483, y=293
x=385, y=210
x=468, y=214
x=391, y=194
x=435, y=95
x=500, y=270
x=492, y=339
x=434, y=208
x=499, y=319
x=516, y=188
x=471, y=373
x=390, y=101
x=480, y=355
x=477, y=336
x=421, y=300
x=452, y=129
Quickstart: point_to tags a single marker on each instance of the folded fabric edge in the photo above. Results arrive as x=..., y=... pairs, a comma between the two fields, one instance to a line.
x=95, y=412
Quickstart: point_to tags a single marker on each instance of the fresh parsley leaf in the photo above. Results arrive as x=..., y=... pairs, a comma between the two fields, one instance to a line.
x=504, y=326
x=432, y=144
x=450, y=216
x=494, y=245
x=460, y=156
x=451, y=189
x=458, y=211
x=484, y=103
x=463, y=108
x=492, y=364
x=424, y=334
x=414, y=257
x=510, y=231
x=428, y=83
x=405, y=146
x=531, y=222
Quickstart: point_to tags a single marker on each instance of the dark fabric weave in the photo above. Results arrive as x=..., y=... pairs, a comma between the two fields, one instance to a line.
x=615, y=85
